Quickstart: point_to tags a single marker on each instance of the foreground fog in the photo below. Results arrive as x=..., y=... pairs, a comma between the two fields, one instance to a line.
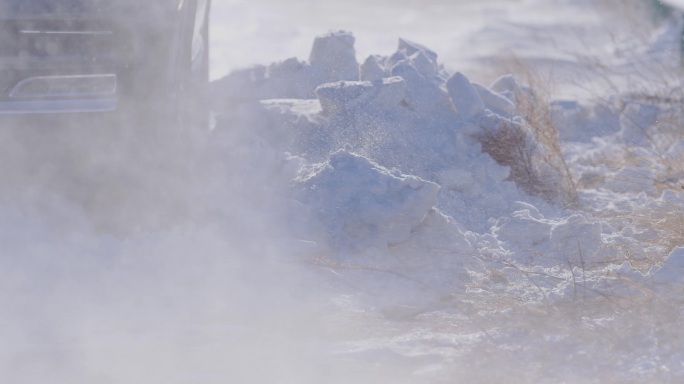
x=498, y=200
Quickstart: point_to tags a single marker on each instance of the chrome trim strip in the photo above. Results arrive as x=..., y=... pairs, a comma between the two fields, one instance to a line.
x=89, y=33
x=110, y=78
x=57, y=106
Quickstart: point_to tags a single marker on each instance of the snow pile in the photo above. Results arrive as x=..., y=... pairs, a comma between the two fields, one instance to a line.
x=363, y=204
x=396, y=150
x=415, y=138
x=405, y=112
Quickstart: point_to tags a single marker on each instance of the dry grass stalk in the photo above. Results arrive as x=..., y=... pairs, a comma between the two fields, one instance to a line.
x=532, y=150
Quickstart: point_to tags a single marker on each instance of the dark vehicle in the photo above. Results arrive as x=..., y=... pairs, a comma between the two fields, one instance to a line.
x=69, y=56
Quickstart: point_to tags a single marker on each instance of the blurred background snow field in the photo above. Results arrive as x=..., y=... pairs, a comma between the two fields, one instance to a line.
x=472, y=191
x=285, y=29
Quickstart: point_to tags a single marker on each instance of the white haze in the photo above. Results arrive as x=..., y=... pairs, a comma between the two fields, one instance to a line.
x=122, y=261
x=111, y=273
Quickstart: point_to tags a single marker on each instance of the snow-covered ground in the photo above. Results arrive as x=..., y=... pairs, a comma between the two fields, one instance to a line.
x=473, y=191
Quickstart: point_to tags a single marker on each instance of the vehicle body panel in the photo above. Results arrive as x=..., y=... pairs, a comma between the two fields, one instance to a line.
x=66, y=51
x=75, y=9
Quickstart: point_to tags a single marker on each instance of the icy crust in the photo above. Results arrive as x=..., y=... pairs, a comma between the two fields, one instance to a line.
x=404, y=156
x=362, y=204
x=571, y=240
x=672, y=270
x=340, y=96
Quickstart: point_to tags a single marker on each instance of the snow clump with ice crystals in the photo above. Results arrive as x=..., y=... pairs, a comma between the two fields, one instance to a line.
x=363, y=204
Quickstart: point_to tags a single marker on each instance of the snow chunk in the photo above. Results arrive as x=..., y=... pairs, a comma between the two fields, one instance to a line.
x=495, y=102
x=427, y=67
x=509, y=87
x=525, y=228
x=397, y=57
x=360, y=203
x=371, y=70
x=572, y=239
x=411, y=48
x=423, y=95
x=334, y=55
x=384, y=93
x=464, y=97
x=672, y=270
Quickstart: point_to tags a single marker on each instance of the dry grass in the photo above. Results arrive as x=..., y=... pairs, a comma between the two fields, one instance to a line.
x=650, y=80
x=533, y=150
x=658, y=229
x=654, y=83
x=536, y=111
